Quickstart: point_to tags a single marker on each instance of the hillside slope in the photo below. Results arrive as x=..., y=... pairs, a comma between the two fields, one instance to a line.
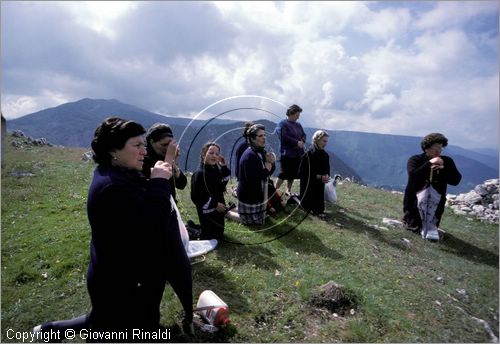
x=402, y=288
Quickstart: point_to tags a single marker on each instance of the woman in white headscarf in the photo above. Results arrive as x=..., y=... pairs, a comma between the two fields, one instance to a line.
x=314, y=172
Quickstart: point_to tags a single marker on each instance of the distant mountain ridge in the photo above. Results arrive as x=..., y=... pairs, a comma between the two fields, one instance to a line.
x=378, y=160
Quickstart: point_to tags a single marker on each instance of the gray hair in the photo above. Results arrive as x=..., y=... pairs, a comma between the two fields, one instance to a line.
x=318, y=135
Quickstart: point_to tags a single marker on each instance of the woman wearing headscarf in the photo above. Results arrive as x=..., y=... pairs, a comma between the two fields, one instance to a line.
x=208, y=185
x=254, y=170
x=158, y=137
x=314, y=173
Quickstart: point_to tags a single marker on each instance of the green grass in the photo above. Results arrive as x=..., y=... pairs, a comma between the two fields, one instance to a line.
x=404, y=293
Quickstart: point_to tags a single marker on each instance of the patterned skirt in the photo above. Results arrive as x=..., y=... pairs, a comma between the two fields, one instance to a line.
x=253, y=214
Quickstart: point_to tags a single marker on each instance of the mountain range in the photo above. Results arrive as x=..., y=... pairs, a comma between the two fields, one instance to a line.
x=378, y=160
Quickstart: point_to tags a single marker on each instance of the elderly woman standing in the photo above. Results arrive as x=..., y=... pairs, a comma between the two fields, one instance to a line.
x=135, y=245
x=292, y=141
x=208, y=185
x=158, y=137
x=419, y=169
x=314, y=172
x=255, y=167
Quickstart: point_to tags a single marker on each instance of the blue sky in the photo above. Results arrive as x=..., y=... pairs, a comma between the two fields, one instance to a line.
x=406, y=68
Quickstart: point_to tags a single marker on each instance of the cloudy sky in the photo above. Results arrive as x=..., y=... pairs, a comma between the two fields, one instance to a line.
x=406, y=68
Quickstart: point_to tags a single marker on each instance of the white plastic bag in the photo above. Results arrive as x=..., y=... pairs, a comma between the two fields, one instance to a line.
x=193, y=248
x=182, y=226
x=330, y=192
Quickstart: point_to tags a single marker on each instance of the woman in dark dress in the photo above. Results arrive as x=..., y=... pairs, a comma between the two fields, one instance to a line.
x=158, y=138
x=242, y=148
x=314, y=172
x=419, y=169
x=135, y=245
x=208, y=185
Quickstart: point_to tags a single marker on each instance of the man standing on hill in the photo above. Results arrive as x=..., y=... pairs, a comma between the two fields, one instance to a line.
x=419, y=169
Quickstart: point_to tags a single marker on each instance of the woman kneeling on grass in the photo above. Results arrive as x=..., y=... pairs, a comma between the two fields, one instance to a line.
x=208, y=185
x=255, y=167
x=314, y=173
x=135, y=246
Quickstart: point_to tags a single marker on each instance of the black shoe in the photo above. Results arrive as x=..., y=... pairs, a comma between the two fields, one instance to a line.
x=194, y=230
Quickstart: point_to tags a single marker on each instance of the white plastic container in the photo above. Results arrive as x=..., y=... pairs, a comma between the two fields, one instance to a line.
x=212, y=309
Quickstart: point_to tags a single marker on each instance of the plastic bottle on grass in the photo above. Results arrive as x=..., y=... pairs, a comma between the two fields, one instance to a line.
x=216, y=312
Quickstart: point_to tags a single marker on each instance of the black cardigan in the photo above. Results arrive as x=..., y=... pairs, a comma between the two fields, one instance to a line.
x=135, y=248
x=419, y=168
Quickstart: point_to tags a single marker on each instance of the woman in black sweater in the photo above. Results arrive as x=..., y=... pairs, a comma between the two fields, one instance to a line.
x=158, y=137
x=255, y=167
x=135, y=245
x=208, y=185
x=419, y=169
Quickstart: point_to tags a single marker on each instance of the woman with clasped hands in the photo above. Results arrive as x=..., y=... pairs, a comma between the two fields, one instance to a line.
x=136, y=245
x=419, y=167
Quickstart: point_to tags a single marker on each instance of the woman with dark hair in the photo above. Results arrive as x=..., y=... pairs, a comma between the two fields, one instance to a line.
x=254, y=170
x=419, y=169
x=314, y=173
x=208, y=185
x=135, y=245
x=158, y=137
x=242, y=147
x=292, y=141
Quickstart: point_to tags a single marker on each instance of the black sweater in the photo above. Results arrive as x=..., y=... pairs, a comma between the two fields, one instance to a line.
x=135, y=248
x=419, y=169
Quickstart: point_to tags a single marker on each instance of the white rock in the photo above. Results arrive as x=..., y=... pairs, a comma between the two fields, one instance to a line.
x=392, y=222
x=481, y=190
x=459, y=212
x=478, y=209
x=472, y=197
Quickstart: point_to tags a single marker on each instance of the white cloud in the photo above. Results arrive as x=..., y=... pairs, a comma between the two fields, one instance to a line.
x=99, y=16
x=453, y=13
x=386, y=24
x=17, y=105
x=380, y=67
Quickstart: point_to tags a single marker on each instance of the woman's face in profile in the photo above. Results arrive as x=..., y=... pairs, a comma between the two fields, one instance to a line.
x=212, y=156
x=160, y=146
x=260, y=138
x=131, y=156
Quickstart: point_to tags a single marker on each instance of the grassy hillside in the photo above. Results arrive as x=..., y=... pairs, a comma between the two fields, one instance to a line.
x=401, y=292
